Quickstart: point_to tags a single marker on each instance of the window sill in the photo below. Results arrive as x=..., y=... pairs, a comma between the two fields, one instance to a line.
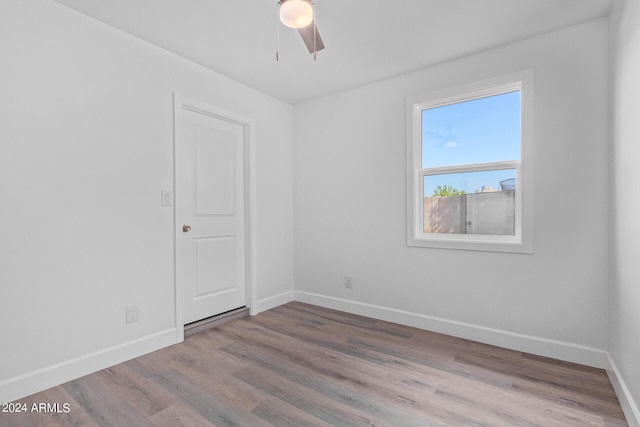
x=480, y=243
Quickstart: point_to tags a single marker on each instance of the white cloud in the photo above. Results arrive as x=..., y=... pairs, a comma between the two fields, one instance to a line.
x=450, y=144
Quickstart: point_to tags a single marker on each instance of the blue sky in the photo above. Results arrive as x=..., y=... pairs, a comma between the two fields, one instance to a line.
x=478, y=131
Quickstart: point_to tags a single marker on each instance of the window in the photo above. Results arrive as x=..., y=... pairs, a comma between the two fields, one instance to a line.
x=470, y=161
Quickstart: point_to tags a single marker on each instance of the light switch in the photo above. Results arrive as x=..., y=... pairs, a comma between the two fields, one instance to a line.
x=166, y=198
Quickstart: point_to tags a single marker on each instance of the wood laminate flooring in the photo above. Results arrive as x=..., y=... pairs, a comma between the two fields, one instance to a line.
x=301, y=365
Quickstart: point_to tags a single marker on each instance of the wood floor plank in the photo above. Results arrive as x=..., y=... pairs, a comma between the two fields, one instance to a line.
x=302, y=365
x=103, y=404
x=147, y=397
x=180, y=415
x=280, y=413
x=342, y=367
x=211, y=403
x=347, y=319
x=393, y=410
x=322, y=405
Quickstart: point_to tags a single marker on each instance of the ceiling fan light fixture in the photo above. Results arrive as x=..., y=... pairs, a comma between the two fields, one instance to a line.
x=296, y=13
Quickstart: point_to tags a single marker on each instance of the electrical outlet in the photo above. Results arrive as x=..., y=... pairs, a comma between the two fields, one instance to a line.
x=348, y=282
x=133, y=313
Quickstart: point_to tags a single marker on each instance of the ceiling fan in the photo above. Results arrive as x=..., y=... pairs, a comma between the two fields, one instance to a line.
x=300, y=14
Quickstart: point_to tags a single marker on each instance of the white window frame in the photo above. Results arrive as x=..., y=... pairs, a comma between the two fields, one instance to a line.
x=522, y=240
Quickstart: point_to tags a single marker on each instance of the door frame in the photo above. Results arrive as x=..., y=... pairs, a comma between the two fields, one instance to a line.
x=184, y=103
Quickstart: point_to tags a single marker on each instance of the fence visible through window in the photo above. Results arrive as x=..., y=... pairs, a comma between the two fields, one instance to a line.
x=489, y=213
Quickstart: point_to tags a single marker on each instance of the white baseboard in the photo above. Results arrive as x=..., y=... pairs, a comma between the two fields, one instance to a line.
x=42, y=379
x=629, y=406
x=50, y=376
x=271, y=302
x=530, y=344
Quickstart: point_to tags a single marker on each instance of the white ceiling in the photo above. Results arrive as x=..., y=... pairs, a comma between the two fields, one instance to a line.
x=366, y=40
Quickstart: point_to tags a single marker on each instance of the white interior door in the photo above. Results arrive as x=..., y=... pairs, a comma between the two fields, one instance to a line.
x=210, y=208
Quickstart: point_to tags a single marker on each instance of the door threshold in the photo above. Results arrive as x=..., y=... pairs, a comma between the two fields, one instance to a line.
x=214, y=321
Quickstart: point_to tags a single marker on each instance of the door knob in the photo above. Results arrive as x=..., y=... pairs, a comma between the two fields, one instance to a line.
x=186, y=228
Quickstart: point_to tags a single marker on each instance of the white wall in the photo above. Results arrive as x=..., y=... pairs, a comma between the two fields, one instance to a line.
x=624, y=300
x=349, y=207
x=86, y=145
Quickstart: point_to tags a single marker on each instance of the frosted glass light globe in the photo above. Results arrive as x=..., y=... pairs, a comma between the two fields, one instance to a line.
x=296, y=13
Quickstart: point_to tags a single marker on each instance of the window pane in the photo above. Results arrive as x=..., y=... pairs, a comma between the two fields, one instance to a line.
x=470, y=203
x=477, y=131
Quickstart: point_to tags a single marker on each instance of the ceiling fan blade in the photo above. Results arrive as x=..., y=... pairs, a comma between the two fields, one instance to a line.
x=307, y=36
